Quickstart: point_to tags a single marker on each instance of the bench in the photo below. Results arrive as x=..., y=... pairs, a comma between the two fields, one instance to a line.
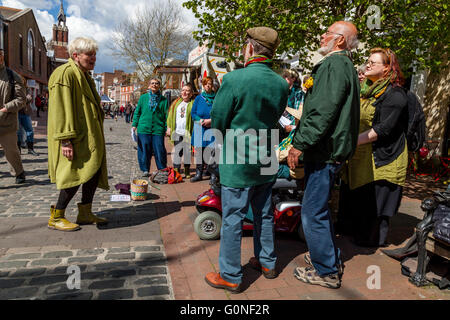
x=426, y=243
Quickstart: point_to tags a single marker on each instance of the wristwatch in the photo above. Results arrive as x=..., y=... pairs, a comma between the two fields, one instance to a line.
x=66, y=143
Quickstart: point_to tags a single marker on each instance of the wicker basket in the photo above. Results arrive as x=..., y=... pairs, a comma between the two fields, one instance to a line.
x=139, y=189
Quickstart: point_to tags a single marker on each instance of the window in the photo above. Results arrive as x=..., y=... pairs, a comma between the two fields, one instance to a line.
x=20, y=50
x=30, y=50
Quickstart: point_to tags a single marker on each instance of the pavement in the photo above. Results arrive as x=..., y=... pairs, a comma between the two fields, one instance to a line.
x=149, y=250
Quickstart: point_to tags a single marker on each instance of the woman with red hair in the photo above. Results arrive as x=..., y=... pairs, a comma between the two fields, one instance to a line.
x=376, y=173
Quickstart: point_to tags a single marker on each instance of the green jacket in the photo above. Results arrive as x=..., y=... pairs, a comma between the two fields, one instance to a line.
x=148, y=122
x=249, y=98
x=329, y=128
x=74, y=113
x=172, y=117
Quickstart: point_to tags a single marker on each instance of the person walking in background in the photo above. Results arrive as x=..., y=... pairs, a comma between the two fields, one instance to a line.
x=201, y=115
x=150, y=123
x=76, y=141
x=38, y=104
x=241, y=106
x=327, y=137
x=128, y=111
x=376, y=173
x=179, y=128
x=26, y=124
x=12, y=99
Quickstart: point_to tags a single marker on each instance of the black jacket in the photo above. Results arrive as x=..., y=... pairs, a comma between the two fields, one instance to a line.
x=390, y=122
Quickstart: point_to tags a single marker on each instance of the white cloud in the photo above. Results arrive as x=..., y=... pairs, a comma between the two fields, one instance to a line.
x=94, y=18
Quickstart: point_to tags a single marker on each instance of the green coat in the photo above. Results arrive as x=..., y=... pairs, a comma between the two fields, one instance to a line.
x=148, y=122
x=249, y=98
x=172, y=117
x=329, y=128
x=74, y=113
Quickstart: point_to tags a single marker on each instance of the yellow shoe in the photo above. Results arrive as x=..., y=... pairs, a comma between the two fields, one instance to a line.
x=57, y=221
x=85, y=215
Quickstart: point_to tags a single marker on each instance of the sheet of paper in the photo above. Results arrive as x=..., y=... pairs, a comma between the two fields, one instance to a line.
x=120, y=197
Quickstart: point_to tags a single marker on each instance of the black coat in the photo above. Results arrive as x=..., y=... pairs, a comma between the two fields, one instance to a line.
x=390, y=122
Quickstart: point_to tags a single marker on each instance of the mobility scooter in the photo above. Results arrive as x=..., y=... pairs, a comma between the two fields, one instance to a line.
x=286, y=200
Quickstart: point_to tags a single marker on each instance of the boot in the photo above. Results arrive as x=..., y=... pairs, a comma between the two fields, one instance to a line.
x=57, y=221
x=20, y=178
x=198, y=174
x=187, y=171
x=177, y=168
x=31, y=150
x=85, y=215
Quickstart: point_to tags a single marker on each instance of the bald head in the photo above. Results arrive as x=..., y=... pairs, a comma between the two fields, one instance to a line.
x=349, y=31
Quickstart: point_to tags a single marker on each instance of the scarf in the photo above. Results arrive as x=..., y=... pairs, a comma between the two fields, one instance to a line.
x=154, y=100
x=259, y=58
x=370, y=92
x=209, y=97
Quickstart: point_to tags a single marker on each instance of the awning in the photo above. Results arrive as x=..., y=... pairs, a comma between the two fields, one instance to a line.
x=105, y=98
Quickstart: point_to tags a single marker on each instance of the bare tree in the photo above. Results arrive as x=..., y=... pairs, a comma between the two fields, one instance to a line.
x=154, y=36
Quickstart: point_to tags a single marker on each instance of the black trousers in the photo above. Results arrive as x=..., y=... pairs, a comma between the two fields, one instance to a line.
x=88, y=191
x=365, y=212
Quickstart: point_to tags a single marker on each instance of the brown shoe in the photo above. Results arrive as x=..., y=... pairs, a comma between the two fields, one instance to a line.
x=268, y=273
x=215, y=280
x=340, y=266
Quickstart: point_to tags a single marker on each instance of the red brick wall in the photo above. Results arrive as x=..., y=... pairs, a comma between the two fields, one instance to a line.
x=21, y=26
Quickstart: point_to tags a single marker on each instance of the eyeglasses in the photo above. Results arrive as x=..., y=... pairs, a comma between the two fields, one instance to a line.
x=328, y=32
x=154, y=83
x=370, y=63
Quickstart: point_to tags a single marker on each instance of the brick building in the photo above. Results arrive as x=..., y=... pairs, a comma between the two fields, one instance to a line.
x=60, y=40
x=24, y=46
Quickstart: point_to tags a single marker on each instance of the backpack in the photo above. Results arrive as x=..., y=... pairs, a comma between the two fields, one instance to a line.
x=174, y=177
x=415, y=135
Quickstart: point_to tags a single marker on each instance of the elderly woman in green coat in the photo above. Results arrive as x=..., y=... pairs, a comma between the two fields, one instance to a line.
x=76, y=142
x=179, y=128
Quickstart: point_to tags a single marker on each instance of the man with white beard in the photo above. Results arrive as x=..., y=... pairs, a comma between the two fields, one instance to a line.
x=326, y=138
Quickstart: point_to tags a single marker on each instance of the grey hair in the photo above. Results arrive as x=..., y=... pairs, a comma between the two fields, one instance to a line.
x=352, y=42
x=82, y=45
x=259, y=49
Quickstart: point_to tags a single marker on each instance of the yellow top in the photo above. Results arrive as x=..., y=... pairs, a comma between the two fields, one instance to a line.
x=361, y=168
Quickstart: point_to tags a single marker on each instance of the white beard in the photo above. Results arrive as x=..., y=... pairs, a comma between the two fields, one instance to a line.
x=326, y=50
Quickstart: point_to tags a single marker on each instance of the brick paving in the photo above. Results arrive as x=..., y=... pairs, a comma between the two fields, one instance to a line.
x=150, y=249
x=122, y=260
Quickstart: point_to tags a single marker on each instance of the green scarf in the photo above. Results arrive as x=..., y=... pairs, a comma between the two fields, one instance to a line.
x=258, y=58
x=209, y=97
x=372, y=90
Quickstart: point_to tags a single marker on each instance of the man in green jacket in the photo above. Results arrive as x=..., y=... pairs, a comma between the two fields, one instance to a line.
x=245, y=111
x=150, y=123
x=327, y=137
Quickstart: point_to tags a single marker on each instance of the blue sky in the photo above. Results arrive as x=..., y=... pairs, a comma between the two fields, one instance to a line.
x=94, y=18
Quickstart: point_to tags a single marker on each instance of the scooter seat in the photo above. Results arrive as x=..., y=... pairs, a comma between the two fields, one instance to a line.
x=285, y=184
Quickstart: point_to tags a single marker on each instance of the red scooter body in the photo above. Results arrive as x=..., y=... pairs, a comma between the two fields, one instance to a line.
x=286, y=213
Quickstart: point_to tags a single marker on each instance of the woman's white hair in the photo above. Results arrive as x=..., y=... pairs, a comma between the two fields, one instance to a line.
x=82, y=45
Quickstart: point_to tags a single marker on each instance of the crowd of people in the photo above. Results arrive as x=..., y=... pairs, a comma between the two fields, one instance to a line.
x=337, y=122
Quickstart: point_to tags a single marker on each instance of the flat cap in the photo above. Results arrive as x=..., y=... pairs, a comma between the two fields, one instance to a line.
x=264, y=36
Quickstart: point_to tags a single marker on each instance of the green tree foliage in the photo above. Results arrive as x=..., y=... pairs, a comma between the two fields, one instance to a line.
x=416, y=30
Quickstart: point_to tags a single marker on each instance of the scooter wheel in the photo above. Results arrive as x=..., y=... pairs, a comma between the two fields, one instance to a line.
x=207, y=225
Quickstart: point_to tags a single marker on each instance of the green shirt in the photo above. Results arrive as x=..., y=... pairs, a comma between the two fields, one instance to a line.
x=151, y=122
x=329, y=128
x=249, y=99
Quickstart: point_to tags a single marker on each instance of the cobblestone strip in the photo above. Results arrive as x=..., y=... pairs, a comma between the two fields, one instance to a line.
x=136, y=273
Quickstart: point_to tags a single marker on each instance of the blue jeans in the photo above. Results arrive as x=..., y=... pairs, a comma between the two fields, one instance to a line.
x=25, y=122
x=235, y=205
x=316, y=217
x=147, y=146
